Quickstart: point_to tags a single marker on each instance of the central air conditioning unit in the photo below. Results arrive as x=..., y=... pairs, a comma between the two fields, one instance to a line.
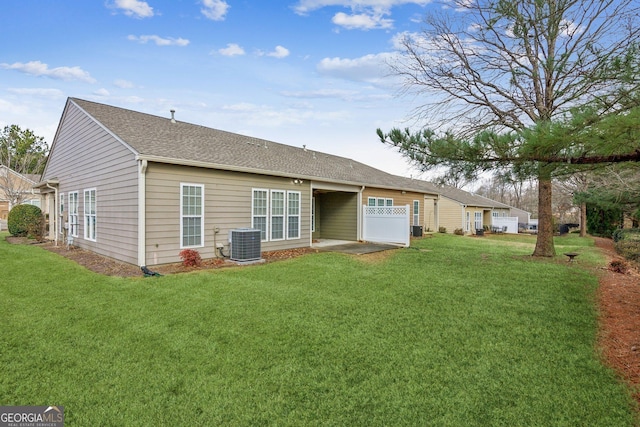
x=245, y=244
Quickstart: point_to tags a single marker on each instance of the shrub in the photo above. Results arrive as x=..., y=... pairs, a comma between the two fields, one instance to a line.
x=25, y=220
x=442, y=229
x=458, y=231
x=618, y=234
x=630, y=249
x=190, y=258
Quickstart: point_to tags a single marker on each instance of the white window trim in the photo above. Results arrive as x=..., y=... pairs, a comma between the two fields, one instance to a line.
x=87, y=229
x=182, y=186
x=416, y=215
x=265, y=216
x=283, y=216
x=73, y=216
x=298, y=215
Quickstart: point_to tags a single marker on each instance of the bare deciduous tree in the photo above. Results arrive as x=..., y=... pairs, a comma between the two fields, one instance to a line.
x=526, y=85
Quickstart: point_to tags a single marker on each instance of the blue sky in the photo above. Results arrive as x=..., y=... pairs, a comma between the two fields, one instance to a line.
x=305, y=72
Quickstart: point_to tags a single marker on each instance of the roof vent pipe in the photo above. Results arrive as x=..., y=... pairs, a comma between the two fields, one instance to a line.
x=173, y=119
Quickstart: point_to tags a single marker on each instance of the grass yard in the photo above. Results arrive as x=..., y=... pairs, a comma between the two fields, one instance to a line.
x=454, y=331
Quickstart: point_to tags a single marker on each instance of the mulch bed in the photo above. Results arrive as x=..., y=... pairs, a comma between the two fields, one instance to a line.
x=111, y=267
x=618, y=298
x=619, y=304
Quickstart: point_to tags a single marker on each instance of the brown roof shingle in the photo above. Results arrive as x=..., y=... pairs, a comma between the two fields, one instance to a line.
x=156, y=136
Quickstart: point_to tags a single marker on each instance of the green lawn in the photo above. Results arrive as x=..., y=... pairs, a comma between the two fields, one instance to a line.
x=454, y=331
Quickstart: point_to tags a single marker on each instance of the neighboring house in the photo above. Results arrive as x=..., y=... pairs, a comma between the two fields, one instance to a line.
x=459, y=209
x=15, y=189
x=140, y=188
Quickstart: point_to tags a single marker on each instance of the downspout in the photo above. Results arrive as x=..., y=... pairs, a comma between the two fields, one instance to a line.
x=55, y=212
x=464, y=220
x=360, y=213
x=142, y=213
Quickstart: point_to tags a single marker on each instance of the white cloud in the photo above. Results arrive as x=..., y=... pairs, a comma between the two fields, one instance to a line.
x=306, y=6
x=134, y=8
x=232, y=49
x=101, y=92
x=123, y=84
x=271, y=117
x=369, y=68
x=362, y=21
x=365, y=14
x=159, y=41
x=279, y=52
x=41, y=92
x=37, y=68
x=215, y=9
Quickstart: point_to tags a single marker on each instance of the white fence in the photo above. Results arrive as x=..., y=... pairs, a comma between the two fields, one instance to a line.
x=386, y=224
x=499, y=222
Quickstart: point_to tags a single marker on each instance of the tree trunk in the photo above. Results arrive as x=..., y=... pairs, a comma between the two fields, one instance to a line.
x=583, y=219
x=544, y=242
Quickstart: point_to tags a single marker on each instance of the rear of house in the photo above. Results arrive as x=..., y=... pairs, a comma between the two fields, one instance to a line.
x=141, y=188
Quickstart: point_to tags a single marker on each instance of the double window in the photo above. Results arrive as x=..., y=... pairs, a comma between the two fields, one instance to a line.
x=276, y=213
x=191, y=215
x=90, y=219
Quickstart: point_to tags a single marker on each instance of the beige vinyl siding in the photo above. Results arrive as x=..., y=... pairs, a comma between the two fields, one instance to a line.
x=86, y=156
x=429, y=214
x=450, y=215
x=227, y=206
x=338, y=217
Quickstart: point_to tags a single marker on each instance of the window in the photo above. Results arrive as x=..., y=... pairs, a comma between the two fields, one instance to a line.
x=259, y=212
x=191, y=215
x=34, y=202
x=416, y=212
x=478, y=220
x=73, y=214
x=277, y=215
x=379, y=201
x=468, y=222
x=90, y=220
x=293, y=215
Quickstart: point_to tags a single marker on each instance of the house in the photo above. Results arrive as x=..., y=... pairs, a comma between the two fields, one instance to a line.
x=461, y=210
x=15, y=189
x=140, y=188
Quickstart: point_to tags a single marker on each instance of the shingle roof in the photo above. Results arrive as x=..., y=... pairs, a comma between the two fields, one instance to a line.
x=470, y=199
x=156, y=136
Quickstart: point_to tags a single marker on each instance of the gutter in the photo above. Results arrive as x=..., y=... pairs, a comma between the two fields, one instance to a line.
x=142, y=212
x=55, y=212
x=209, y=165
x=360, y=213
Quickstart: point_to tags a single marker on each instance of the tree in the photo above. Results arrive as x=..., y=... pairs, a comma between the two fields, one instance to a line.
x=23, y=154
x=536, y=87
x=615, y=188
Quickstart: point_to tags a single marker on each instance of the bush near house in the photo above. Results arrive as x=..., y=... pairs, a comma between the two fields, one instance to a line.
x=190, y=258
x=25, y=221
